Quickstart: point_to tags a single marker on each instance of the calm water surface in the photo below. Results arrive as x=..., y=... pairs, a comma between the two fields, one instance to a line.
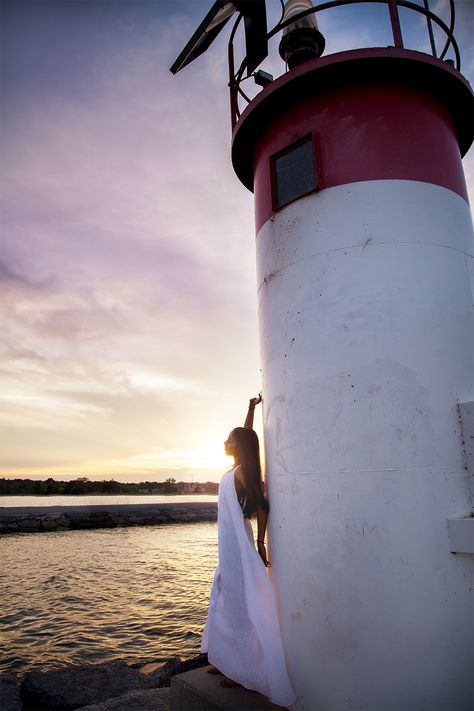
x=103, y=499
x=139, y=594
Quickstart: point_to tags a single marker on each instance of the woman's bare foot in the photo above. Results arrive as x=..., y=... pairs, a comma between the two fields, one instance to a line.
x=229, y=682
x=213, y=670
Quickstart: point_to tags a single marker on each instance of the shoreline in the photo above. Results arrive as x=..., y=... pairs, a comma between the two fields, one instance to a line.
x=39, y=519
x=102, y=493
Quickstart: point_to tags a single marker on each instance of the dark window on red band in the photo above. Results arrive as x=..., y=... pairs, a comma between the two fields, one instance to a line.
x=293, y=173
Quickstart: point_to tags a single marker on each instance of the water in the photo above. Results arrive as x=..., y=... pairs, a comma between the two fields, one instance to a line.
x=103, y=499
x=139, y=594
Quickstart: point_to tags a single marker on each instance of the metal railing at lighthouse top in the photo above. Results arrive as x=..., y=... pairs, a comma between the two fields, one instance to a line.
x=236, y=76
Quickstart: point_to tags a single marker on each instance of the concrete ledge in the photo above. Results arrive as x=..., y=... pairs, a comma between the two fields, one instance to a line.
x=466, y=416
x=197, y=690
x=461, y=535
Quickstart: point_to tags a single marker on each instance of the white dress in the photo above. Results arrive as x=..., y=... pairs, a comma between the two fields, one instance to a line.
x=242, y=635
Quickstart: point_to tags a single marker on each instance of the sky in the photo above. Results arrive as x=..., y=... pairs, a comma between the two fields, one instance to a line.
x=129, y=336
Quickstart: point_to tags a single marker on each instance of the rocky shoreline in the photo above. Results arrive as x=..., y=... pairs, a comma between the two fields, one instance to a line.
x=23, y=519
x=107, y=686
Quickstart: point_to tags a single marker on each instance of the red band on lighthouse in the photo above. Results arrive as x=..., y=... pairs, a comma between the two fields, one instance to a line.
x=378, y=118
x=367, y=132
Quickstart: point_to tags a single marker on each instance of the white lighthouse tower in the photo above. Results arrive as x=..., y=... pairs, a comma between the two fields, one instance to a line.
x=365, y=297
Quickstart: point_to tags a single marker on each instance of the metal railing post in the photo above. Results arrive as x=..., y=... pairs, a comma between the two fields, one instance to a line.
x=232, y=87
x=233, y=82
x=395, y=20
x=430, y=28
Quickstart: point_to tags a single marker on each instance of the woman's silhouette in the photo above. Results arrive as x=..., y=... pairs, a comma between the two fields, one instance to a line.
x=242, y=634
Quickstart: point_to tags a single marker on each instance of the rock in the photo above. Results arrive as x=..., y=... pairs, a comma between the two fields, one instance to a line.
x=101, y=519
x=9, y=693
x=20, y=518
x=185, y=665
x=28, y=524
x=160, y=676
x=186, y=517
x=75, y=686
x=146, y=700
x=53, y=522
x=100, y=686
x=49, y=525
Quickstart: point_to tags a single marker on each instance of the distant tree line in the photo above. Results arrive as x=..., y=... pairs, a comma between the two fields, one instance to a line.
x=83, y=485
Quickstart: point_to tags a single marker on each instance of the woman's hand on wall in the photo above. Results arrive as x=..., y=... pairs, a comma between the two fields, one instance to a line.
x=253, y=402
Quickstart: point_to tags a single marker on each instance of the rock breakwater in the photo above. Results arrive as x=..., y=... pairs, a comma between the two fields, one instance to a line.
x=107, y=686
x=20, y=519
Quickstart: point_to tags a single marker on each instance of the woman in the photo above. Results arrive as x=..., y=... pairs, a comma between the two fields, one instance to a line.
x=242, y=633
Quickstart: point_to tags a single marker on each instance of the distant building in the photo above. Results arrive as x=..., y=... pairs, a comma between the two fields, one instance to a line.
x=192, y=487
x=186, y=487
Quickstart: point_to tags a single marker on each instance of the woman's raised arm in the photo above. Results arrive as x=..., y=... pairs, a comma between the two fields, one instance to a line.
x=248, y=424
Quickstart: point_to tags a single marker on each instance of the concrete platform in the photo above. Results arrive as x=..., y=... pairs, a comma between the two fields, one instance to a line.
x=197, y=690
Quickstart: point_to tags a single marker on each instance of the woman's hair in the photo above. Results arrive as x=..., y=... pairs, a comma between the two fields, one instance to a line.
x=246, y=441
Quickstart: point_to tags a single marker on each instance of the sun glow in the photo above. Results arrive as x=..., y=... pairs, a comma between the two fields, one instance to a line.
x=158, y=381
x=208, y=456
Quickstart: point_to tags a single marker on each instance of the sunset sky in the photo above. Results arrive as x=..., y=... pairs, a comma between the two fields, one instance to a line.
x=129, y=342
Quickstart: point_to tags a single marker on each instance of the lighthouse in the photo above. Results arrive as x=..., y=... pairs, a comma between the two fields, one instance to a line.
x=364, y=247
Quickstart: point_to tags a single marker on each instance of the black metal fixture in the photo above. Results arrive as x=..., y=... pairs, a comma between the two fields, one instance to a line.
x=301, y=39
x=262, y=78
x=255, y=22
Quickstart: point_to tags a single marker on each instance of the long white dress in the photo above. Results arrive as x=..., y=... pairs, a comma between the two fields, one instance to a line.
x=242, y=635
